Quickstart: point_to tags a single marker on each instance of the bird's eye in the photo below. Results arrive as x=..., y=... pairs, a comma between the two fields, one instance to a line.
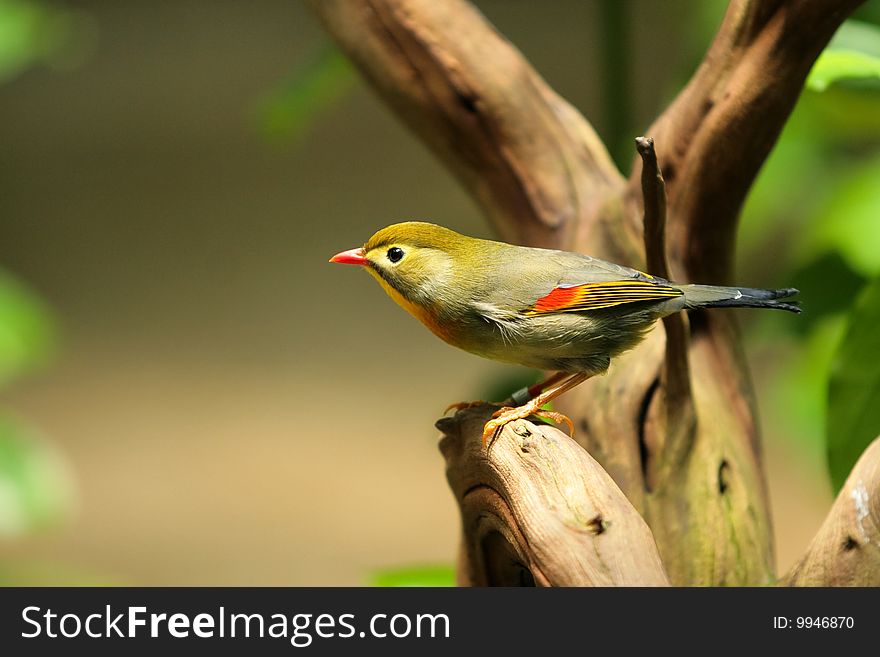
x=395, y=253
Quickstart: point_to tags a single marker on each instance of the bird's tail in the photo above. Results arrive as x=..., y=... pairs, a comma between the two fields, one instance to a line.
x=712, y=296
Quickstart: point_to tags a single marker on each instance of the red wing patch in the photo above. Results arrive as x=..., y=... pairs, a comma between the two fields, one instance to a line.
x=592, y=296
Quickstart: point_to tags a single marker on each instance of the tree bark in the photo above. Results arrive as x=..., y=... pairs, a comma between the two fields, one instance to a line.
x=544, y=178
x=538, y=510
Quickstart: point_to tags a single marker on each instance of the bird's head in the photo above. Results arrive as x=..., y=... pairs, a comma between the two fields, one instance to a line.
x=417, y=263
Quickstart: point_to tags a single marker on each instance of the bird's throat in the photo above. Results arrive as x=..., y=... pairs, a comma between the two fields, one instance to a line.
x=419, y=312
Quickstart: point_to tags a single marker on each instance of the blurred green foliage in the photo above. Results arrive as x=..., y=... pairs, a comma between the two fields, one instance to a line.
x=34, y=32
x=35, y=485
x=415, y=576
x=853, y=54
x=288, y=112
x=26, y=334
x=501, y=387
x=835, y=65
x=814, y=218
x=854, y=386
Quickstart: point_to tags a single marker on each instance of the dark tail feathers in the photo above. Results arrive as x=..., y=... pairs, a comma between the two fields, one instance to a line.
x=712, y=296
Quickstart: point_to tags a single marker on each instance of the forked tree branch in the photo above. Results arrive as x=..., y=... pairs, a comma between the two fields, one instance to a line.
x=538, y=509
x=846, y=551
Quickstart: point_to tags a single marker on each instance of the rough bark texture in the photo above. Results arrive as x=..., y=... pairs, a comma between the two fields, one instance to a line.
x=538, y=510
x=673, y=422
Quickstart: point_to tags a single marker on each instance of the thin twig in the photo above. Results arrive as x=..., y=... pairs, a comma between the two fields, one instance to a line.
x=680, y=423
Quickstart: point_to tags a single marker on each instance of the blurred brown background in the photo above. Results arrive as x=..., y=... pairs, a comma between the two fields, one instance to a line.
x=233, y=409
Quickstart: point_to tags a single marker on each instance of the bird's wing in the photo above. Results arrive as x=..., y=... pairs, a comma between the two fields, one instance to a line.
x=563, y=282
x=593, y=296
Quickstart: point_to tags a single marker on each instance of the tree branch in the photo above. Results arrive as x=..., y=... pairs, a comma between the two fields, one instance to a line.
x=537, y=509
x=721, y=127
x=654, y=200
x=679, y=419
x=846, y=551
x=529, y=158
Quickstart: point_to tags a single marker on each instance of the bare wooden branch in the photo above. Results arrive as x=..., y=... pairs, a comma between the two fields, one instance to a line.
x=525, y=154
x=678, y=420
x=538, y=510
x=654, y=200
x=846, y=551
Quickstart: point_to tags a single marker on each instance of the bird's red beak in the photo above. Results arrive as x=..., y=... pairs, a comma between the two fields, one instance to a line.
x=352, y=257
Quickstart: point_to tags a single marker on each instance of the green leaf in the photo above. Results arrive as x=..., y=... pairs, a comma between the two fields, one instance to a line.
x=853, y=54
x=287, y=113
x=26, y=331
x=837, y=65
x=35, y=483
x=415, y=576
x=858, y=35
x=854, y=387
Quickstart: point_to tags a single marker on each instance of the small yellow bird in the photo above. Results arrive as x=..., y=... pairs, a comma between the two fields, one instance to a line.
x=546, y=309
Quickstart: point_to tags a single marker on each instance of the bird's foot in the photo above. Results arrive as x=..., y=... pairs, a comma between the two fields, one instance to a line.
x=459, y=406
x=508, y=414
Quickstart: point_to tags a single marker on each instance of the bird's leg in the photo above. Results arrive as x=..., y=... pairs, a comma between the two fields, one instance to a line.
x=528, y=393
x=507, y=414
x=518, y=398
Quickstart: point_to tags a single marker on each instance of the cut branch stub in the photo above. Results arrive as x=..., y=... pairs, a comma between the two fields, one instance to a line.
x=846, y=550
x=654, y=201
x=537, y=509
x=676, y=423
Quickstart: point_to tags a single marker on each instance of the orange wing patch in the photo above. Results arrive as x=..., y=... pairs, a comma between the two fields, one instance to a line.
x=592, y=296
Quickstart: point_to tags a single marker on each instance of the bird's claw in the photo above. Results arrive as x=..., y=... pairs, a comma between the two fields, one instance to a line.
x=507, y=414
x=558, y=418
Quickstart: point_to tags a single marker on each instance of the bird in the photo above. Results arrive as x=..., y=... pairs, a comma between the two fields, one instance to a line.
x=552, y=310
